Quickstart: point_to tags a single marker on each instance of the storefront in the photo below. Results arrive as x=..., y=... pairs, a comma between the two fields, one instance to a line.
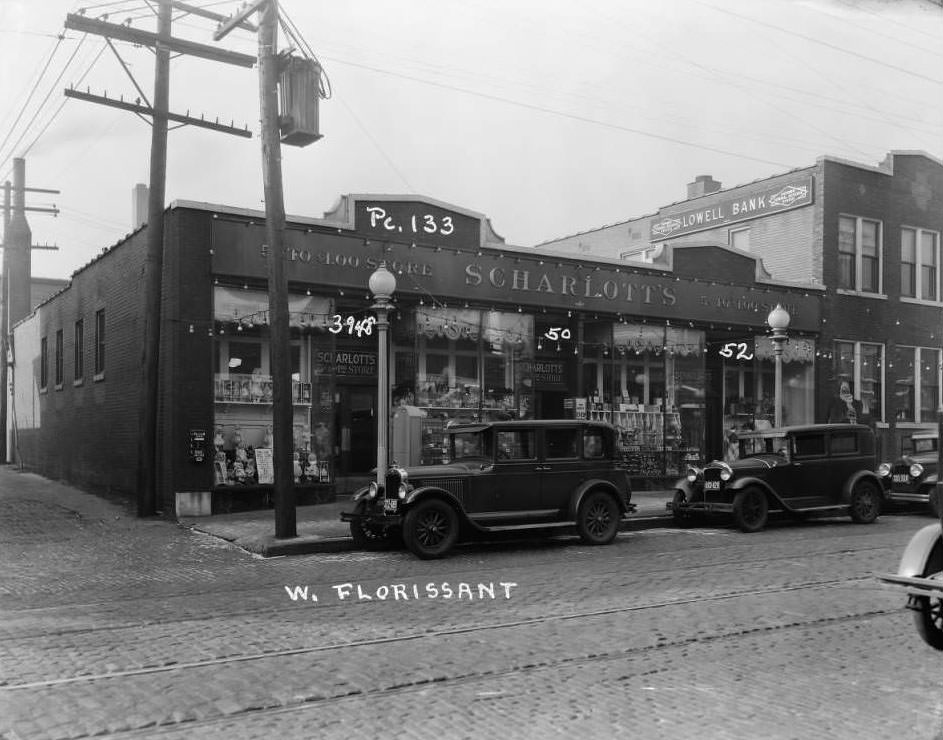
x=675, y=355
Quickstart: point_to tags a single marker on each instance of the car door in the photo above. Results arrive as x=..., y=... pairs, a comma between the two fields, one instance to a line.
x=515, y=477
x=845, y=459
x=807, y=482
x=563, y=465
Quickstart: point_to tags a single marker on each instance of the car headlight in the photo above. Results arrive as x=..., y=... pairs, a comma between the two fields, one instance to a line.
x=402, y=491
x=916, y=470
x=726, y=472
x=884, y=469
x=373, y=490
x=693, y=475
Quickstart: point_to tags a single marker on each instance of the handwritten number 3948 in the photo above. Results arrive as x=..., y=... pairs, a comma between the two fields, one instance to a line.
x=352, y=325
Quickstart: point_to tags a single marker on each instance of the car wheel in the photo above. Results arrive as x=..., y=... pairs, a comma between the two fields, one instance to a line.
x=682, y=519
x=750, y=509
x=865, y=502
x=430, y=529
x=597, y=520
x=928, y=611
x=369, y=536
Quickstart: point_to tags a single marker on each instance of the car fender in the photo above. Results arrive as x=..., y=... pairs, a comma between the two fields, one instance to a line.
x=687, y=487
x=741, y=483
x=917, y=554
x=576, y=498
x=359, y=494
x=422, y=493
x=855, y=479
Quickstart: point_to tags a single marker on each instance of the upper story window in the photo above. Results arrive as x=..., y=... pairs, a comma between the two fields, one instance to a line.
x=43, y=363
x=100, y=342
x=740, y=239
x=859, y=254
x=78, y=347
x=919, y=264
x=59, y=361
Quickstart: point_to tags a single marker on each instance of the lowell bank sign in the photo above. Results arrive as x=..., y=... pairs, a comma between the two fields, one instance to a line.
x=745, y=205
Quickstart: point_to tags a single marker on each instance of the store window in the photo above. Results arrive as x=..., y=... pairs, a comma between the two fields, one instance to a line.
x=920, y=261
x=917, y=373
x=859, y=254
x=858, y=393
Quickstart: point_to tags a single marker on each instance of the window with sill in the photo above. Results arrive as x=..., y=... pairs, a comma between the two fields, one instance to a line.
x=920, y=260
x=859, y=254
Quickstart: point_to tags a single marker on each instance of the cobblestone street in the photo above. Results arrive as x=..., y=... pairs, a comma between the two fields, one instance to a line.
x=111, y=625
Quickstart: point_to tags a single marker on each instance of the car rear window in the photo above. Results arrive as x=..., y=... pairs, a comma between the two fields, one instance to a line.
x=843, y=443
x=562, y=442
x=516, y=444
x=810, y=445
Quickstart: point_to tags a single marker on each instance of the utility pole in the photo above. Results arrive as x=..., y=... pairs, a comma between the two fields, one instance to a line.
x=17, y=248
x=299, y=126
x=163, y=44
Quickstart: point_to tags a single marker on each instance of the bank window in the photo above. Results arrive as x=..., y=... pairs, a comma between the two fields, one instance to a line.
x=859, y=254
x=917, y=373
x=100, y=342
x=859, y=372
x=740, y=239
x=59, y=348
x=78, y=349
x=43, y=363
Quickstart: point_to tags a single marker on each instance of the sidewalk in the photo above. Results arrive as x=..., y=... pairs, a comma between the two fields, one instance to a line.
x=321, y=530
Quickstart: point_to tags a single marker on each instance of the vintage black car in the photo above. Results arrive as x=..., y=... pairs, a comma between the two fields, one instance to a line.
x=501, y=476
x=802, y=470
x=912, y=477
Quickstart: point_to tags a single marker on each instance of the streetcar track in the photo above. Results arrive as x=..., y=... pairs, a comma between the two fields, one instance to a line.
x=419, y=685
x=454, y=576
x=233, y=659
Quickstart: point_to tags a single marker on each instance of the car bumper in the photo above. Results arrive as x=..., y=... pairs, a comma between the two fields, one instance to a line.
x=381, y=519
x=700, y=507
x=909, y=497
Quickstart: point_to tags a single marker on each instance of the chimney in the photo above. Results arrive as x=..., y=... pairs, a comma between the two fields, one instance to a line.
x=702, y=185
x=139, y=205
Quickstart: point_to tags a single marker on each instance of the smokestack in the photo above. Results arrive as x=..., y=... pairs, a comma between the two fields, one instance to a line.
x=139, y=205
x=702, y=185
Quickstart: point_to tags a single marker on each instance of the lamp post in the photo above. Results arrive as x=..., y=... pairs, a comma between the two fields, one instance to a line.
x=382, y=285
x=778, y=321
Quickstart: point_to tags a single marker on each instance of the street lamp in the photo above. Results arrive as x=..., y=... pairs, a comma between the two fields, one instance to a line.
x=382, y=285
x=778, y=321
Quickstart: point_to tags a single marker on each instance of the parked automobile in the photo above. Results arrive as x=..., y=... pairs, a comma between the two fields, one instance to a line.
x=801, y=470
x=501, y=476
x=920, y=574
x=912, y=477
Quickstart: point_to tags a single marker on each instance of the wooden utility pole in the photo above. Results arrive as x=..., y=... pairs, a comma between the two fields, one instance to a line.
x=163, y=44
x=284, y=494
x=153, y=268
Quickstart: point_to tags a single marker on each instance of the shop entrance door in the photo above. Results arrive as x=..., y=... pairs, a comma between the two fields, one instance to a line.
x=357, y=422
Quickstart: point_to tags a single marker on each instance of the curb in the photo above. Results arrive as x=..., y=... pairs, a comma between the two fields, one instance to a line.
x=270, y=547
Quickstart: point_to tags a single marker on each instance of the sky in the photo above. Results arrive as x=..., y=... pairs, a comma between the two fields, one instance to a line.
x=549, y=117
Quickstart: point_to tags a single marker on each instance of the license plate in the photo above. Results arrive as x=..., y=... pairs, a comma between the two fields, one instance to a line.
x=712, y=485
x=390, y=504
x=901, y=478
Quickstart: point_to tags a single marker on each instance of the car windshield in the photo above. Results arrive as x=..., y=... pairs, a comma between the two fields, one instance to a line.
x=776, y=445
x=467, y=445
x=925, y=445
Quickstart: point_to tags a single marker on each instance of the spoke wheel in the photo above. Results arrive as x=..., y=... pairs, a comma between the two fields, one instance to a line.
x=865, y=502
x=369, y=536
x=929, y=620
x=750, y=509
x=430, y=529
x=597, y=521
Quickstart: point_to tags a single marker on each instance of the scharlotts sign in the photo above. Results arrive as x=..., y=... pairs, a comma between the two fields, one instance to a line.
x=746, y=204
x=332, y=261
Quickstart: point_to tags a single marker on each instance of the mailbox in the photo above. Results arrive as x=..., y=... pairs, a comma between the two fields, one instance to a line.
x=407, y=435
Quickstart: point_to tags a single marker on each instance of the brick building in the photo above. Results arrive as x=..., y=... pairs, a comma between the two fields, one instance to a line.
x=481, y=329
x=867, y=237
